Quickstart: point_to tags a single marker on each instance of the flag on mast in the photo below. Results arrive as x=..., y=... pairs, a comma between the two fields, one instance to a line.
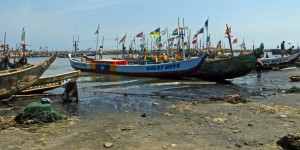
x=200, y=31
x=97, y=31
x=158, y=40
x=219, y=45
x=206, y=24
x=140, y=34
x=23, y=36
x=175, y=32
x=194, y=39
x=155, y=33
x=171, y=39
x=234, y=41
x=123, y=39
x=228, y=31
x=164, y=32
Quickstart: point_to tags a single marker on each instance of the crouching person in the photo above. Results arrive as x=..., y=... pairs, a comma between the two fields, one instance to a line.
x=70, y=92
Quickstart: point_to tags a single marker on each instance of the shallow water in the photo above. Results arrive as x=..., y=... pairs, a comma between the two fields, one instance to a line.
x=99, y=93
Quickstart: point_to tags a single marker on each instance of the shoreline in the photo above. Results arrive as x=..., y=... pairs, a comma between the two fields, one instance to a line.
x=189, y=116
x=255, y=124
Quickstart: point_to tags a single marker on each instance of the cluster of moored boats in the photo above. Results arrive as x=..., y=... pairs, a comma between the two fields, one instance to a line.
x=27, y=79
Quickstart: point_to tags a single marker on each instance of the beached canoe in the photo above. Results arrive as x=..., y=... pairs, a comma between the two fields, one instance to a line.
x=279, y=62
x=50, y=82
x=230, y=67
x=15, y=80
x=121, y=67
x=295, y=78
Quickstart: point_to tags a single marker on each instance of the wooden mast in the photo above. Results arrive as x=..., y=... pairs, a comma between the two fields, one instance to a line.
x=97, y=32
x=101, y=50
x=4, y=43
x=228, y=31
x=181, y=34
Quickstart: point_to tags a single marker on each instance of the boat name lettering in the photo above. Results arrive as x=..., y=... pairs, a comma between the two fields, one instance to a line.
x=164, y=67
x=275, y=60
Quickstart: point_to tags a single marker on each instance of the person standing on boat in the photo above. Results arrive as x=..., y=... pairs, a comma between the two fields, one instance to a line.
x=100, y=53
x=290, y=50
x=4, y=63
x=282, y=48
x=23, y=60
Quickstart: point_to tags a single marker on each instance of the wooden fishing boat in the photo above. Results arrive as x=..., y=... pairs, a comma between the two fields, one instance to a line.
x=15, y=80
x=50, y=82
x=295, y=78
x=231, y=67
x=279, y=62
x=121, y=67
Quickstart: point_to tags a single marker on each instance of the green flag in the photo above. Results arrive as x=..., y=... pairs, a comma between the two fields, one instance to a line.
x=208, y=39
x=158, y=39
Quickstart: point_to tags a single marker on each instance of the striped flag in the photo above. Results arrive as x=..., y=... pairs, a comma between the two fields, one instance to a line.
x=175, y=32
x=194, y=39
x=155, y=33
x=171, y=39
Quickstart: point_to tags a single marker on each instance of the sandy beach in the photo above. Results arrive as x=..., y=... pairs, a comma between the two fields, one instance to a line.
x=247, y=119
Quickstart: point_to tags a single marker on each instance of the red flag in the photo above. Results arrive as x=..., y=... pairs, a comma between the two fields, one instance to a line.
x=234, y=41
x=228, y=30
x=140, y=34
x=194, y=39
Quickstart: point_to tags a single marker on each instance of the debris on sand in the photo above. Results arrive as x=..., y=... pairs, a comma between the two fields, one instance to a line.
x=108, y=144
x=235, y=99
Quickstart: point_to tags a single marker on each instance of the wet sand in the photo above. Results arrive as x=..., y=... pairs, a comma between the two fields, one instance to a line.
x=187, y=116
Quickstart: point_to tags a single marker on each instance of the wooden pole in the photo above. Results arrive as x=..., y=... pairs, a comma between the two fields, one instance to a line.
x=229, y=39
x=97, y=32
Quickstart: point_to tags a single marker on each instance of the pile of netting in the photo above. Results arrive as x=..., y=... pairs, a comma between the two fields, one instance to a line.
x=294, y=89
x=38, y=112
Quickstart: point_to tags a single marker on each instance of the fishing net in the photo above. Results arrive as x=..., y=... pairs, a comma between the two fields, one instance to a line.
x=294, y=89
x=38, y=112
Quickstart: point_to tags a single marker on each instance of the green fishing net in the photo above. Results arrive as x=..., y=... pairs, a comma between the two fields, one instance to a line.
x=294, y=89
x=39, y=112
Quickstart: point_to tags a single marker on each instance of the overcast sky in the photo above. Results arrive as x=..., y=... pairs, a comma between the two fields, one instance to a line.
x=53, y=23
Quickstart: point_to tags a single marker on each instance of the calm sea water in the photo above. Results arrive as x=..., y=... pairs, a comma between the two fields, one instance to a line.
x=99, y=93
